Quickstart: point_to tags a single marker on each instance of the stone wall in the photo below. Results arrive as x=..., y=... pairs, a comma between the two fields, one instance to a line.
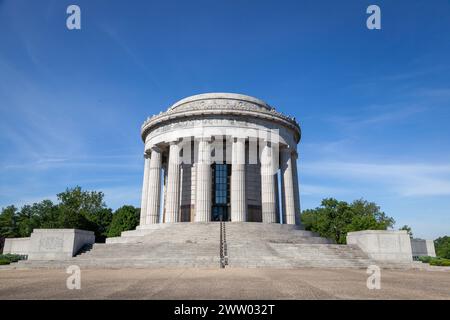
x=17, y=246
x=383, y=245
x=421, y=247
x=50, y=244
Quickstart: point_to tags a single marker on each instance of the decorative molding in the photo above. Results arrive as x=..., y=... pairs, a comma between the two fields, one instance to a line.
x=203, y=109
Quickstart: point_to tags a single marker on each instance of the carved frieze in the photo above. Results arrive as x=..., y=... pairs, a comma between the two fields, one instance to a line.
x=213, y=111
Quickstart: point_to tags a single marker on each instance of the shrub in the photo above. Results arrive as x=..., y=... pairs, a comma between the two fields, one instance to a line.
x=425, y=259
x=435, y=261
x=440, y=262
x=9, y=258
x=442, y=246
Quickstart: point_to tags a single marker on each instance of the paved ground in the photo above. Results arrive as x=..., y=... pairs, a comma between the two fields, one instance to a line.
x=223, y=284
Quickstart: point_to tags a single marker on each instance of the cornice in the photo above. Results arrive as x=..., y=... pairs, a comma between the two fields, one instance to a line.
x=201, y=109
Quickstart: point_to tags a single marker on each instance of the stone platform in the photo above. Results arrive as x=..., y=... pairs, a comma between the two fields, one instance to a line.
x=196, y=245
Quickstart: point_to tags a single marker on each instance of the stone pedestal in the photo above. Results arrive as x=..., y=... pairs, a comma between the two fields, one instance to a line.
x=50, y=244
x=383, y=245
x=421, y=247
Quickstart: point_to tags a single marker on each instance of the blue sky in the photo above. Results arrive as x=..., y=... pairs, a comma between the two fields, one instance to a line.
x=374, y=106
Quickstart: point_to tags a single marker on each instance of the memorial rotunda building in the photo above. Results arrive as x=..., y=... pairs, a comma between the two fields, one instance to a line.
x=220, y=156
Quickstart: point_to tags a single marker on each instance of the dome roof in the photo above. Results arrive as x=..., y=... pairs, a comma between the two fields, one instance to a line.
x=218, y=96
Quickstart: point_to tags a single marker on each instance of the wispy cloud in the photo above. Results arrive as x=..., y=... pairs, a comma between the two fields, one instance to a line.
x=401, y=179
x=321, y=190
x=414, y=74
x=436, y=93
x=376, y=115
x=114, y=35
x=130, y=162
x=33, y=124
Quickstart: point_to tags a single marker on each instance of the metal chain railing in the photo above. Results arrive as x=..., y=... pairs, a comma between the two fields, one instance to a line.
x=225, y=246
x=223, y=250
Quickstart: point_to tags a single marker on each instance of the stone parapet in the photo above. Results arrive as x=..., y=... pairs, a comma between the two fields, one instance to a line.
x=16, y=246
x=50, y=244
x=421, y=247
x=383, y=245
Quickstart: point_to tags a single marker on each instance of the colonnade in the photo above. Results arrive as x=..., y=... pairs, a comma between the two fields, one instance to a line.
x=270, y=156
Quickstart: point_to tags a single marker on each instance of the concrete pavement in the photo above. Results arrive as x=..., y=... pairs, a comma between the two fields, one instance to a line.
x=230, y=283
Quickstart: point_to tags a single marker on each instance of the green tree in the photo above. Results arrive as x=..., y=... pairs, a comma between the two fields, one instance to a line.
x=100, y=221
x=28, y=218
x=49, y=214
x=334, y=219
x=124, y=218
x=407, y=229
x=76, y=208
x=84, y=210
x=8, y=222
x=442, y=246
x=43, y=214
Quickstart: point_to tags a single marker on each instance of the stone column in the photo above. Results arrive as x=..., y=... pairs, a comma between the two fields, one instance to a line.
x=203, y=192
x=268, y=185
x=296, y=188
x=144, y=189
x=172, y=205
x=238, y=196
x=288, y=186
x=154, y=187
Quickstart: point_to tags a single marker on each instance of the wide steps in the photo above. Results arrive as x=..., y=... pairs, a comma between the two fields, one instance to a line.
x=249, y=245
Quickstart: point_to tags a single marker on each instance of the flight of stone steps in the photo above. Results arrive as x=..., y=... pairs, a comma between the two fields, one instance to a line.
x=197, y=245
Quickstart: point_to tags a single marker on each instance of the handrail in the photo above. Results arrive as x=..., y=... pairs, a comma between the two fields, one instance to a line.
x=223, y=251
x=221, y=262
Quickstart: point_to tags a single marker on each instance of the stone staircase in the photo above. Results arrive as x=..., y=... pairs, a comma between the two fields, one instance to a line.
x=197, y=245
x=284, y=246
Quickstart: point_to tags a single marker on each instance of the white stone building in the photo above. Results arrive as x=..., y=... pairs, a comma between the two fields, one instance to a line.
x=220, y=155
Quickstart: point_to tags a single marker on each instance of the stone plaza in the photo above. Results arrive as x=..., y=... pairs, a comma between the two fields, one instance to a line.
x=261, y=283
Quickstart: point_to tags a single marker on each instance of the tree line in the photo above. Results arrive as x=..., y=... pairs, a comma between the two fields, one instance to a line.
x=75, y=208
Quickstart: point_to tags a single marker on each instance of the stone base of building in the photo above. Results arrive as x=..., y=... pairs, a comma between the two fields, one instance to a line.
x=197, y=245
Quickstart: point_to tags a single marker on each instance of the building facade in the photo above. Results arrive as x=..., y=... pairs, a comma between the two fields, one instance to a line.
x=220, y=156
